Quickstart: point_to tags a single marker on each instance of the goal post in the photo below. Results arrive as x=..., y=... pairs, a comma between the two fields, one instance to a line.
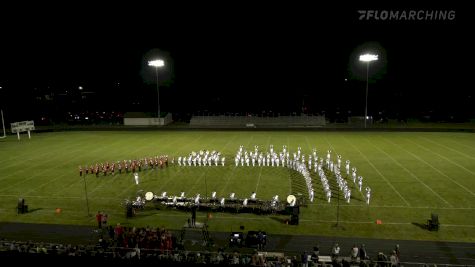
x=23, y=126
x=3, y=125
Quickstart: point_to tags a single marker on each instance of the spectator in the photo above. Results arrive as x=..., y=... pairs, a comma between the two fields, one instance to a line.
x=315, y=254
x=235, y=259
x=255, y=258
x=99, y=219
x=393, y=259
x=382, y=259
x=193, y=215
x=398, y=253
x=104, y=219
x=305, y=259
x=362, y=251
x=354, y=253
x=260, y=240
x=335, y=251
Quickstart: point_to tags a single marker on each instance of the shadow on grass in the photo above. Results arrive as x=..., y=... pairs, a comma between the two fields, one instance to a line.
x=33, y=210
x=422, y=226
x=338, y=226
x=283, y=220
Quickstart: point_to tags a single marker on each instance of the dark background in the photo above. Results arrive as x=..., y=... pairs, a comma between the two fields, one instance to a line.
x=240, y=58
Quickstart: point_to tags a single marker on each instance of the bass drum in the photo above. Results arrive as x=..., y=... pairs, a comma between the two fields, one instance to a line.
x=148, y=196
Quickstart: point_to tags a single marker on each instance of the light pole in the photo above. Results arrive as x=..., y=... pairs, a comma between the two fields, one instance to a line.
x=367, y=58
x=157, y=63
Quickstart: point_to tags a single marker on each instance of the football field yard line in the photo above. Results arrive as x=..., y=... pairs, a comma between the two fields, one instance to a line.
x=258, y=179
x=94, y=151
x=444, y=157
x=462, y=144
x=233, y=168
x=290, y=178
x=409, y=172
x=37, y=174
x=124, y=191
x=226, y=145
x=78, y=180
x=393, y=206
x=196, y=182
x=376, y=169
x=430, y=165
x=446, y=147
x=134, y=151
x=180, y=167
x=355, y=187
x=260, y=171
x=32, y=166
x=39, y=155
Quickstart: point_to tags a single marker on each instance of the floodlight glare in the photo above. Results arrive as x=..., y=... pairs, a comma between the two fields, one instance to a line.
x=368, y=57
x=156, y=63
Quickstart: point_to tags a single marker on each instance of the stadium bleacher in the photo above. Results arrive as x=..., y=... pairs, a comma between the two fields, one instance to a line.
x=257, y=122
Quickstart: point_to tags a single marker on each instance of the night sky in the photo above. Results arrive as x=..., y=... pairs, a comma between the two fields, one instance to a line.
x=234, y=58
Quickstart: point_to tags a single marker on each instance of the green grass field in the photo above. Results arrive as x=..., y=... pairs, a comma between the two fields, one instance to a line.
x=411, y=175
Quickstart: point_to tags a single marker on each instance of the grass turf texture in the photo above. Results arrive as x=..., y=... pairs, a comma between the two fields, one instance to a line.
x=411, y=176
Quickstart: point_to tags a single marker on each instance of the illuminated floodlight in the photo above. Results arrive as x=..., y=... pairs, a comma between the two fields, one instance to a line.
x=368, y=57
x=156, y=63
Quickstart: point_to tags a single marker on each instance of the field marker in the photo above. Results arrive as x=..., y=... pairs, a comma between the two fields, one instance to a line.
x=260, y=171
x=449, y=160
x=353, y=185
x=380, y=174
x=430, y=165
x=39, y=155
x=234, y=169
x=111, y=181
x=409, y=172
x=446, y=147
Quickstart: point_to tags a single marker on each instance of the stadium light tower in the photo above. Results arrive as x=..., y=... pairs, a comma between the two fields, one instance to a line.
x=367, y=58
x=157, y=63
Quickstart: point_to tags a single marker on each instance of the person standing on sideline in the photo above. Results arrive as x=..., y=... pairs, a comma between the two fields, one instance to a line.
x=99, y=219
x=104, y=219
x=398, y=253
x=304, y=259
x=193, y=216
